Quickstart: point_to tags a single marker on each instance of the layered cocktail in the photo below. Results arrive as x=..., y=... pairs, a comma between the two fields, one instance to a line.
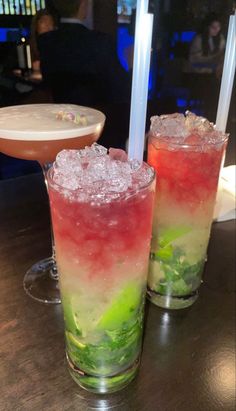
x=38, y=132
x=102, y=215
x=186, y=152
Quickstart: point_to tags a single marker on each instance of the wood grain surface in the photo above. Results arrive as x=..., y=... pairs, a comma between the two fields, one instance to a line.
x=188, y=356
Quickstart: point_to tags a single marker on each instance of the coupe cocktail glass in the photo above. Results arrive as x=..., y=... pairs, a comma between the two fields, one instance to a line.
x=186, y=153
x=102, y=218
x=38, y=132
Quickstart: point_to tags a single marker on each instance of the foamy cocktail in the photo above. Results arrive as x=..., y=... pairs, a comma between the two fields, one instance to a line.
x=101, y=208
x=186, y=152
x=38, y=132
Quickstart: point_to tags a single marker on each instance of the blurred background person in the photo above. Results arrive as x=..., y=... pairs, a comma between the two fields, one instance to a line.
x=18, y=72
x=205, y=65
x=207, y=48
x=81, y=65
x=42, y=22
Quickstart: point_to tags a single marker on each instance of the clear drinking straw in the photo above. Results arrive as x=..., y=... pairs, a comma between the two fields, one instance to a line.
x=141, y=66
x=225, y=96
x=227, y=76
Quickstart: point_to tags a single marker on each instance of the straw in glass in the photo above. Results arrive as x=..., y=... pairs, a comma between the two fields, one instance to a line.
x=227, y=76
x=141, y=66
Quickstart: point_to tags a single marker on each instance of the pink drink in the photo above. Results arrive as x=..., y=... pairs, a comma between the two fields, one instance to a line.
x=186, y=154
x=102, y=216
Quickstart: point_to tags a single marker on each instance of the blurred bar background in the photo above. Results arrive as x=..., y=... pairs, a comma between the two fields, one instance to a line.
x=175, y=24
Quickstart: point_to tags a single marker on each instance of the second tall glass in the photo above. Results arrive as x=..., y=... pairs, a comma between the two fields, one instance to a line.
x=186, y=153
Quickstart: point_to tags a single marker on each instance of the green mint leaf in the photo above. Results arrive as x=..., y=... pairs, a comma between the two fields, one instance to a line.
x=167, y=236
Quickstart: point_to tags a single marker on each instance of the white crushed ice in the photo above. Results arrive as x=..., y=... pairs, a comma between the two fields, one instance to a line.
x=94, y=172
x=96, y=150
x=189, y=128
x=179, y=125
x=169, y=125
x=194, y=122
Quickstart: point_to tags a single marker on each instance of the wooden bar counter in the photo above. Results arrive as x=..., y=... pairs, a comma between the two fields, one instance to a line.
x=188, y=360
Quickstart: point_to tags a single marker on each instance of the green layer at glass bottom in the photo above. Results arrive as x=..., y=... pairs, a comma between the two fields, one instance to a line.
x=176, y=266
x=174, y=275
x=112, y=343
x=113, y=351
x=103, y=384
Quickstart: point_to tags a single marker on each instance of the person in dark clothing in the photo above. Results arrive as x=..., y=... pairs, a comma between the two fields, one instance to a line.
x=205, y=64
x=207, y=48
x=81, y=65
x=42, y=22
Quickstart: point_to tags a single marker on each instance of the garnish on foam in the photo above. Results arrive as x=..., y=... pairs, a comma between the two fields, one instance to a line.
x=77, y=118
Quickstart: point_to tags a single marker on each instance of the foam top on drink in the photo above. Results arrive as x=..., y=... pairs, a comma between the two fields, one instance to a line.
x=96, y=173
x=49, y=121
x=189, y=129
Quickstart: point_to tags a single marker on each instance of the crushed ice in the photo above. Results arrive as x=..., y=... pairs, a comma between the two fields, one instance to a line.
x=169, y=125
x=99, y=173
x=194, y=122
x=181, y=126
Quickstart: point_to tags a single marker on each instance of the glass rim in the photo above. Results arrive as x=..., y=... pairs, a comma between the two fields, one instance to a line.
x=171, y=143
x=113, y=195
x=69, y=131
